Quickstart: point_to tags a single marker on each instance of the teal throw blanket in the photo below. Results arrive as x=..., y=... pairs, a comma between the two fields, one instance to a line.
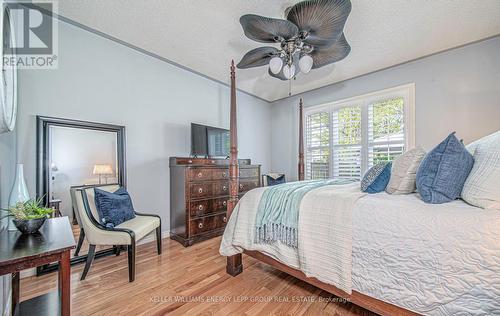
x=278, y=211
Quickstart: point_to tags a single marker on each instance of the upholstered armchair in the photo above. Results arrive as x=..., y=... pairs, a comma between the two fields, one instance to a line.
x=127, y=233
x=81, y=235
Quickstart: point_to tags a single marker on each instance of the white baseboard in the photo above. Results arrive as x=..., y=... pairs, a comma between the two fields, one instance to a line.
x=152, y=237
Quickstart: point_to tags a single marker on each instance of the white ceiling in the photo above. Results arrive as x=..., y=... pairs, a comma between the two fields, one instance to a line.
x=206, y=35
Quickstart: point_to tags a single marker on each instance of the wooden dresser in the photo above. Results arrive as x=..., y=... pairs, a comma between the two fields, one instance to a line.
x=199, y=190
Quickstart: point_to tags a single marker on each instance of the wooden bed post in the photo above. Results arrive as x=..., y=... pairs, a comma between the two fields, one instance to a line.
x=234, y=265
x=301, y=142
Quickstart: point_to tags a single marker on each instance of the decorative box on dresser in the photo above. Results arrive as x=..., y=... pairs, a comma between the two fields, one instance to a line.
x=199, y=190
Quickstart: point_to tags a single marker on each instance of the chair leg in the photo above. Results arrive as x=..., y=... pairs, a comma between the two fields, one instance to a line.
x=131, y=262
x=81, y=238
x=158, y=239
x=90, y=258
x=118, y=249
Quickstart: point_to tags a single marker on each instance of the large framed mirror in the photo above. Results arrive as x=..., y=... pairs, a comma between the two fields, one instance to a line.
x=74, y=154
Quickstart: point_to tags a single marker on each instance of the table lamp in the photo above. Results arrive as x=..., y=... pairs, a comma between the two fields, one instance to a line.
x=103, y=170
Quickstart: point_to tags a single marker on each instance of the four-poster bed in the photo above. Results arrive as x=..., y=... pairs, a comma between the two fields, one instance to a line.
x=234, y=262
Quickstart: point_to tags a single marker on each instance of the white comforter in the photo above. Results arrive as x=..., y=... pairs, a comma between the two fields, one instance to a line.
x=432, y=259
x=325, y=222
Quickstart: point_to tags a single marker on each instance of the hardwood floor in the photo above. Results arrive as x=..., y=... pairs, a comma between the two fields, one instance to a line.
x=189, y=281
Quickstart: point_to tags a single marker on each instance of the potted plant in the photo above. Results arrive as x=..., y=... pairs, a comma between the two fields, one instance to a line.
x=29, y=216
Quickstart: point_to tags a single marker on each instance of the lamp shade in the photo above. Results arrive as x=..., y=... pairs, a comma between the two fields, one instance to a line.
x=103, y=169
x=305, y=63
x=289, y=71
x=275, y=65
x=54, y=167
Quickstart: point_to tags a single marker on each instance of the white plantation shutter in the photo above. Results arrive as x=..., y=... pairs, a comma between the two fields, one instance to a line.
x=386, y=138
x=346, y=127
x=345, y=138
x=317, y=146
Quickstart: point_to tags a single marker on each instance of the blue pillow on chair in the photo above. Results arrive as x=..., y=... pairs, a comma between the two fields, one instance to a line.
x=113, y=208
x=376, y=178
x=442, y=173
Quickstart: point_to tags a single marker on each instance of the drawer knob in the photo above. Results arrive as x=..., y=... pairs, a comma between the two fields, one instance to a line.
x=224, y=219
x=190, y=161
x=224, y=188
x=200, y=174
x=200, y=190
x=224, y=174
x=200, y=207
x=224, y=203
x=200, y=225
x=213, y=161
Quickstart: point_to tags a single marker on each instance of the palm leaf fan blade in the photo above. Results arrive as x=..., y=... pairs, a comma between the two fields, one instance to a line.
x=267, y=30
x=257, y=57
x=323, y=56
x=322, y=21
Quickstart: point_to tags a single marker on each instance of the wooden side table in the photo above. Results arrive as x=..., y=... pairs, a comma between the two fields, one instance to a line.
x=19, y=252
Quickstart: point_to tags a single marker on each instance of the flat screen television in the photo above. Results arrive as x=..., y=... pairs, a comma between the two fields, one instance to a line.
x=208, y=141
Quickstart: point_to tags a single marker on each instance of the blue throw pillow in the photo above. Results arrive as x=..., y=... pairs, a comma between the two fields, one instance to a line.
x=279, y=179
x=113, y=208
x=442, y=173
x=376, y=178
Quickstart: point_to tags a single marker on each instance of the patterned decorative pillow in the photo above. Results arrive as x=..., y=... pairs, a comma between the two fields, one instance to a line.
x=403, y=172
x=376, y=178
x=442, y=173
x=482, y=187
x=113, y=208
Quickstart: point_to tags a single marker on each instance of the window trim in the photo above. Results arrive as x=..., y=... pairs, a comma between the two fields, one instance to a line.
x=406, y=91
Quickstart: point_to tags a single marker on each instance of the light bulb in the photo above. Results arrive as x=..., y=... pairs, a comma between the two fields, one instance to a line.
x=305, y=63
x=275, y=65
x=289, y=71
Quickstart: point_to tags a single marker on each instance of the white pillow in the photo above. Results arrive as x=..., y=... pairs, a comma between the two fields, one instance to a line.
x=482, y=187
x=404, y=172
x=472, y=146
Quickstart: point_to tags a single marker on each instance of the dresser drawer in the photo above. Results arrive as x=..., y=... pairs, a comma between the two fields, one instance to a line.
x=200, y=208
x=220, y=205
x=221, y=188
x=246, y=185
x=249, y=172
x=220, y=174
x=207, y=224
x=200, y=190
x=199, y=174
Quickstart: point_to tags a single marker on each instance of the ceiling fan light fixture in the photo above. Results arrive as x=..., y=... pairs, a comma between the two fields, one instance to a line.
x=305, y=63
x=289, y=71
x=311, y=36
x=275, y=65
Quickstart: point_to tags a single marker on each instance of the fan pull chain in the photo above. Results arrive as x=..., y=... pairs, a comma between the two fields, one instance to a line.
x=290, y=86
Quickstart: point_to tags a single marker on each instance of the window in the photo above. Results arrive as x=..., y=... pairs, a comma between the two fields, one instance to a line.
x=345, y=138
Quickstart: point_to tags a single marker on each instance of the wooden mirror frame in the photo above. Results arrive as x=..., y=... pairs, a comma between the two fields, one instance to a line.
x=43, y=124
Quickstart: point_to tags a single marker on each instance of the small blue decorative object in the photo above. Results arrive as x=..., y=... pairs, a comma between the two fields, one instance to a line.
x=376, y=178
x=442, y=173
x=113, y=208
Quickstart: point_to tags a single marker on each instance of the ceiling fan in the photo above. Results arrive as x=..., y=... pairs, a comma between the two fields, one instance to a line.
x=310, y=37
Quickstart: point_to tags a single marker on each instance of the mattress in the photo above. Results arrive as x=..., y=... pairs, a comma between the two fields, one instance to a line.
x=440, y=259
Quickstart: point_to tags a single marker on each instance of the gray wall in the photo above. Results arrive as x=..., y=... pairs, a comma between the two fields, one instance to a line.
x=100, y=80
x=7, y=172
x=457, y=90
